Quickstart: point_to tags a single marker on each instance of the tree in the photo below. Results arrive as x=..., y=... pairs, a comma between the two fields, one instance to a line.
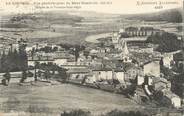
x=22, y=55
x=35, y=72
x=167, y=42
x=23, y=60
x=128, y=113
x=55, y=49
x=32, y=52
x=86, y=53
x=3, y=81
x=7, y=76
x=62, y=74
x=15, y=58
x=76, y=53
x=168, y=73
x=161, y=62
x=47, y=49
x=47, y=74
x=76, y=113
x=178, y=84
x=24, y=76
x=3, y=62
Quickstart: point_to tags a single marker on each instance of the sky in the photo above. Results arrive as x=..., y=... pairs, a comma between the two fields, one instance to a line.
x=114, y=6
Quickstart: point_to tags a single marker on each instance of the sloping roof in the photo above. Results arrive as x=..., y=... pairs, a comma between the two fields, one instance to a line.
x=118, y=65
x=113, y=63
x=158, y=79
x=93, y=51
x=119, y=70
x=153, y=60
x=102, y=69
x=128, y=66
x=170, y=94
x=78, y=70
x=63, y=56
x=40, y=58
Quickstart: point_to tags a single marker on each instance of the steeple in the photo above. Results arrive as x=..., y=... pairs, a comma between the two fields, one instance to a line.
x=125, y=51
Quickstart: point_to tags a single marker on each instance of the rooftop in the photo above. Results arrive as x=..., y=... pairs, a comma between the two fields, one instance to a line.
x=158, y=79
x=40, y=58
x=128, y=66
x=78, y=70
x=170, y=94
x=150, y=61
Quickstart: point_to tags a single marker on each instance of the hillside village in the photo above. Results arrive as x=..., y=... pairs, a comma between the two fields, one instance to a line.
x=124, y=63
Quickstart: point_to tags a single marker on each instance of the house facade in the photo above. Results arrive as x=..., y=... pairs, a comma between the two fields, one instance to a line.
x=60, y=61
x=132, y=72
x=120, y=76
x=103, y=74
x=152, y=68
x=167, y=60
x=77, y=75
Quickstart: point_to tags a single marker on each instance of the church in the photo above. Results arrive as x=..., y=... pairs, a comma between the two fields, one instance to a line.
x=121, y=45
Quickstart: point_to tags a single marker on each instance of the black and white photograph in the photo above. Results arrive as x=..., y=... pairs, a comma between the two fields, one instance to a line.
x=91, y=58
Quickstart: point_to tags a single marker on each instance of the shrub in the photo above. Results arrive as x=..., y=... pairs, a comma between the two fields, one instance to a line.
x=121, y=113
x=76, y=113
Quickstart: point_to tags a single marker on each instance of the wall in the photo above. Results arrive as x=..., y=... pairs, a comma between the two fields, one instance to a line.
x=120, y=76
x=132, y=73
x=102, y=75
x=152, y=68
x=105, y=75
x=167, y=61
x=176, y=101
x=60, y=61
x=31, y=63
x=140, y=80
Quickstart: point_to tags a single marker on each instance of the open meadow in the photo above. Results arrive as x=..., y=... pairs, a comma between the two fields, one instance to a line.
x=58, y=98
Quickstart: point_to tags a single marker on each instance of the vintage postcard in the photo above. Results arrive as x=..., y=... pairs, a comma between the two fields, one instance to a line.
x=91, y=58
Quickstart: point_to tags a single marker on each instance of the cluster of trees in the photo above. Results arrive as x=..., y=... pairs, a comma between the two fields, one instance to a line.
x=74, y=49
x=167, y=42
x=69, y=46
x=13, y=61
x=46, y=49
x=168, y=73
x=76, y=113
x=129, y=113
x=124, y=35
x=111, y=113
x=178, y=85
x=131, y=29
x=50, y=70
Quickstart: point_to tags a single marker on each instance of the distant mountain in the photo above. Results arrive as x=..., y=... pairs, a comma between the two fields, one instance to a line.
x=172, y=15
